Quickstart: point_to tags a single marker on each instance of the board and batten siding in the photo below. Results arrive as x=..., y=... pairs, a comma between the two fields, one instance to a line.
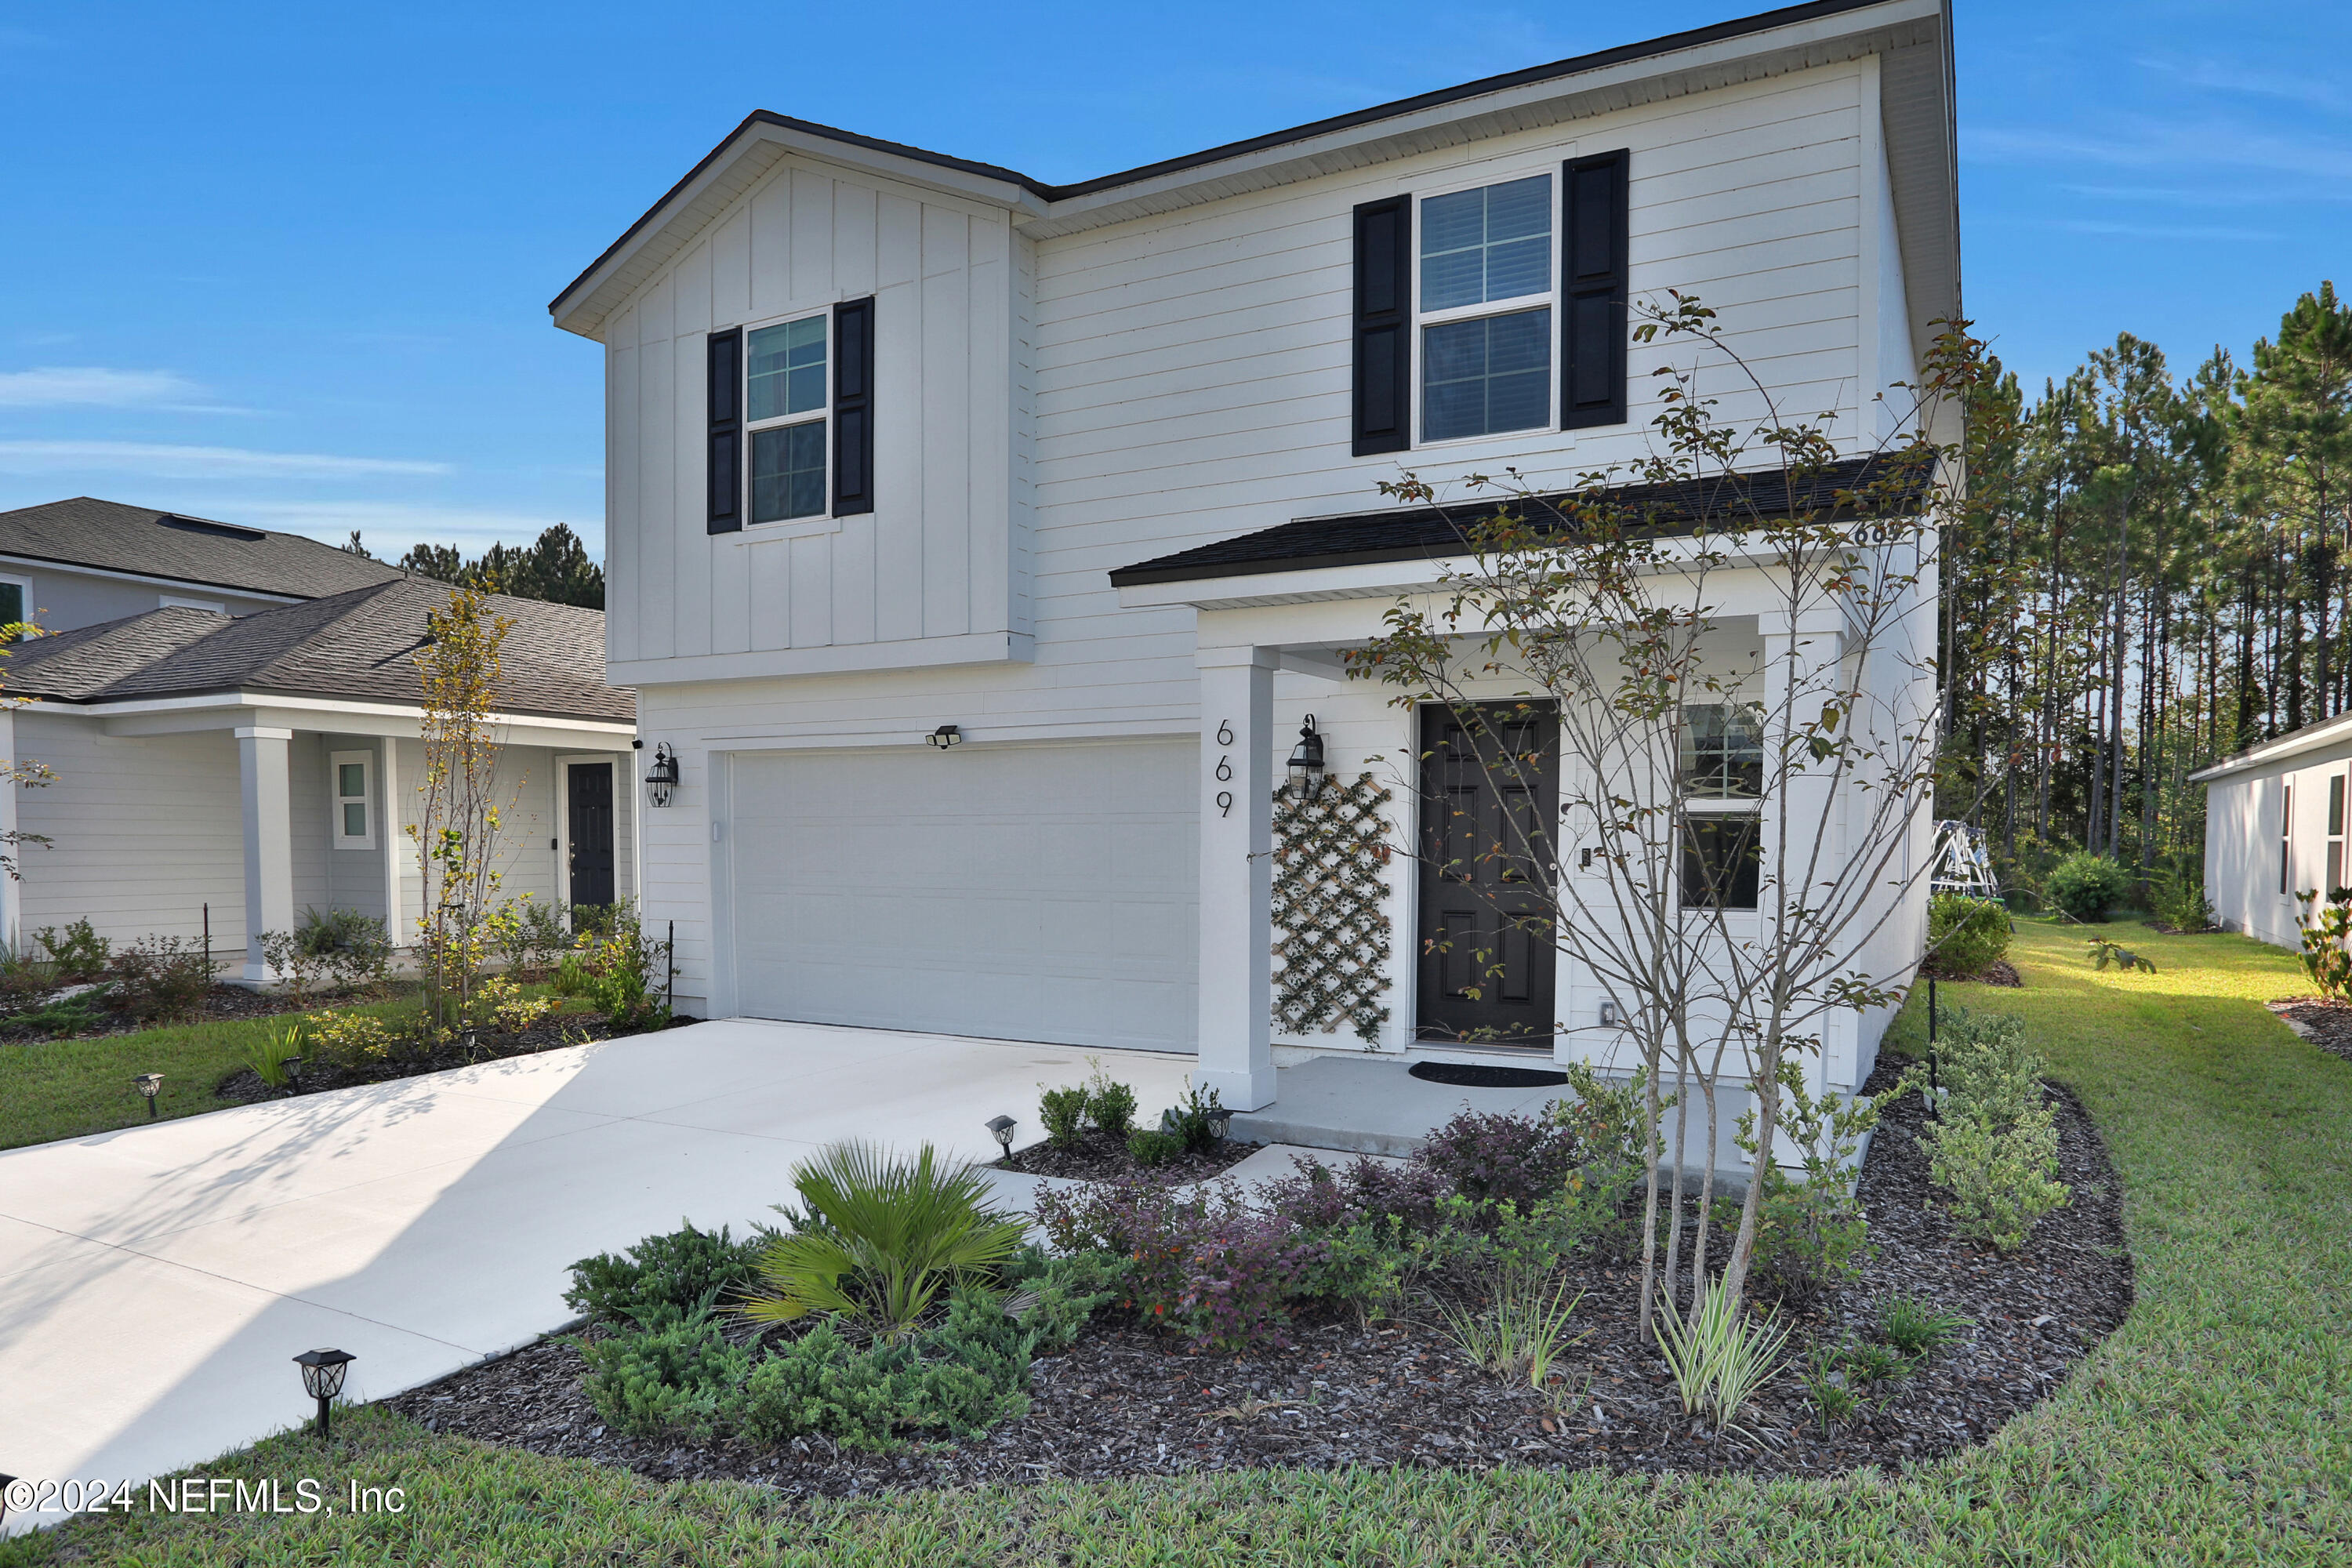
x=934, y=561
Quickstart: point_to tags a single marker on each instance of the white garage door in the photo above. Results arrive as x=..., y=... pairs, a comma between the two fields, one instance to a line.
x=1026, y=892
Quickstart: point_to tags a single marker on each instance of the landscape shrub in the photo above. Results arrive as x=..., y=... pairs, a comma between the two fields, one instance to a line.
x=1110, y=1106
x=1918, y=1330
x=877, y=1239
x=1189, y=1120
x=1965, y=936
x=530, y=935
x=1493, y=1156
x=356, y=1041
x=299, y=970
x=682, y=1378
x=1063, y=1113
x=1363, y=1191
x=2179, y=901
x=1721, y=1359
x=1365, y=1265
x=81, y=1014
x=2086, y=885
x=674, y=1275
x=80, y=954
x=1148, y=1148
x=268, y=1055
x=1810, y=1233
x=961, y=1378
x=1993, y=1142
x=160, y=977
x=619, y=969
x=499, y=1004
x=2327, y=942
x=25, y=976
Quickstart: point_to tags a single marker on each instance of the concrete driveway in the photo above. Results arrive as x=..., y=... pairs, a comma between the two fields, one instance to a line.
x=154, y=1282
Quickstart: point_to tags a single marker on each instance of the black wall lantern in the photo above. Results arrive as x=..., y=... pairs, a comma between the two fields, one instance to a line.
x=661, y=779
x=1306, y=762
x=946, y=735
x=323, y=1378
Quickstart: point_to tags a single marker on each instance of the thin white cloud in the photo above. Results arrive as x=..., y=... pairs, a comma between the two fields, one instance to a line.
x=2143, y=144
x=2165, y=231
x=162, y=461
x=2221, y=76
x=389, y=528
x=94, y=386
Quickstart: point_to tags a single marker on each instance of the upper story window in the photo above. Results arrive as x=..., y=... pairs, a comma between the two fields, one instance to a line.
x=785, y=394
x=1485, y=310
x=16, y=606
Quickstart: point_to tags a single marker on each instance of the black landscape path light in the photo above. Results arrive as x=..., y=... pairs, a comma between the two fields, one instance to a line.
x=323, y=1378
x=1306, y=762
x=1219, y=1120
x=150, y=1084
x=1002, y=1127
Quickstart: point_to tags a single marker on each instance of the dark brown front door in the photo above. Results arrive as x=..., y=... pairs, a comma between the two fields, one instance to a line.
x=1490, y=804
x=589, y=828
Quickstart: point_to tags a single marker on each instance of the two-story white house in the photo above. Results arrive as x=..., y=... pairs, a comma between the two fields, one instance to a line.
x=976, y=545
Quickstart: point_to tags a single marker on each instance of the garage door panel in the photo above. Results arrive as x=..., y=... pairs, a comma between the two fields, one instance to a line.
x=1030, y=892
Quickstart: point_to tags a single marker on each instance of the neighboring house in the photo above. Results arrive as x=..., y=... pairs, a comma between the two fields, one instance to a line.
x=260, y=765
x=68, y=563
x=899, y=440
x=2274, y=816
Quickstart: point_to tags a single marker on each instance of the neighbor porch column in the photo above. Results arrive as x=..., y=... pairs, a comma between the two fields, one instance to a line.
x=12, y=893
x=261, y=767
x=1237, y=874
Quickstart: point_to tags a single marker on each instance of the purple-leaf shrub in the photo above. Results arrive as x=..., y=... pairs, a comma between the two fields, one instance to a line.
x=1501, y=1157
x=1363, y=1191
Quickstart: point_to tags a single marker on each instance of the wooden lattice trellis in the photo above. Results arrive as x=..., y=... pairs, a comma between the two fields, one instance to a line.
x=1330, y=930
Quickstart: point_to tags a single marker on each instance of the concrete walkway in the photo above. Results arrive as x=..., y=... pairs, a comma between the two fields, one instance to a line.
x=154, y=1282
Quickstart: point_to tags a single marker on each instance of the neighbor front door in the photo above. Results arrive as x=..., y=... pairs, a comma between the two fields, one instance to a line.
x=1489, y=813
x=588, y=817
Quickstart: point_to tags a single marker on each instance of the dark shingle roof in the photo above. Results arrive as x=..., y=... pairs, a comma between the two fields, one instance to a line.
x=361, y=644
x=1432, y=533
x=86, y=531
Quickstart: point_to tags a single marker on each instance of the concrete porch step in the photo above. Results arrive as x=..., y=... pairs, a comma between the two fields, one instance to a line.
x=1371, y=1105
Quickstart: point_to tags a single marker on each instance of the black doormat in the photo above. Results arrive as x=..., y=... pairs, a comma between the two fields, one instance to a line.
x=1465, y=1075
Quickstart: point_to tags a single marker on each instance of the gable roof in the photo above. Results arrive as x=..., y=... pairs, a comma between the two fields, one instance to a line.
x=1435, y=533
x=1912, y=38
x=356, y=645
x=112, y=537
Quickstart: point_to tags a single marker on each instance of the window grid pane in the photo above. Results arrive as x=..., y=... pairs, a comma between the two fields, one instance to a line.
x=784, y=369
x=788, y=472
x=1489, y=244
x=354, y=819
x=351, y=780
x=1723, y=749
x=1487, y=375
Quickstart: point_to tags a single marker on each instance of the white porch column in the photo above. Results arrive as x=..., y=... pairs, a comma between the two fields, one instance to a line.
x=395, y=844
x=261, y=767
x=1237, y=874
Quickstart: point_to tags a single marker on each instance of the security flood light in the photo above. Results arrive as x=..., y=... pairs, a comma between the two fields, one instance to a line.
x=1001, y=1128
x=946, y=735
x=1306, y=762
x=150, y=1084
x=323, y=1378
x=661, y=779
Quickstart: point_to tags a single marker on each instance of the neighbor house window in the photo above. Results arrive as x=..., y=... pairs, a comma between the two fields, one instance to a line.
x=1485, y=295
x=1722, y=787
x=351, y=802
x=785, y=390
x=15, y=605
x=2286, y=837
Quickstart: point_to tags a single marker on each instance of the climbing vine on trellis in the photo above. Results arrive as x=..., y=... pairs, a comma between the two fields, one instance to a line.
x=1329, y=928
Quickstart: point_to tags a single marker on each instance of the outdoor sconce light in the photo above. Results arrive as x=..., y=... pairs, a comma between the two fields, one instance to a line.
x=323, y=1378
x=150, y=1084
x=1219, y=1120
x=946, y=735
x=661, y=779
x=1306, y=762
x=1002, y=1128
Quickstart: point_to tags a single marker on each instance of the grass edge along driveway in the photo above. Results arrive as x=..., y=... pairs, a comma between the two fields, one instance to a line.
x=2215, y=1426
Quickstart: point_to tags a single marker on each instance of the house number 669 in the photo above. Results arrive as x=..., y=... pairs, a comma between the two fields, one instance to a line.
x=1225, y=797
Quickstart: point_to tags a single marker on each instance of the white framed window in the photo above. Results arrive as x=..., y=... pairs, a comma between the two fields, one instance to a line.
x=787, y=393
x=351, y=780
x=2334, y=837
x=16, y=604
x=177, y=601
x=1484, y=288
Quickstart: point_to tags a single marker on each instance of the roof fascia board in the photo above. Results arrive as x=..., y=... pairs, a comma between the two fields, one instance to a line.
x=222, y=708
x=2286, y=748
x=11, y=558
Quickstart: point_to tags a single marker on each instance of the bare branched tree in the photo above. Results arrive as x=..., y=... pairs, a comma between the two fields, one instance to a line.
x=457, y=829
x=1738, y=638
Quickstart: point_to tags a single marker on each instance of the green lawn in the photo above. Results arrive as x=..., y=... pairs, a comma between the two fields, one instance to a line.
x=2216, y=1427
x=72, y=1088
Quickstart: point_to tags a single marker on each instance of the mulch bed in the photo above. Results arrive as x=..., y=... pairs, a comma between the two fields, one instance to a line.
x=222, y=1004
x=244, y=1087
x=2326, y=1023
x=1099, y=1157
x=1125, y=1401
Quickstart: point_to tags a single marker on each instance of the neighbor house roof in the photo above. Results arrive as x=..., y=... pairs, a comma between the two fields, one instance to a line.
x=1434, y=533
x=1912, y=38
x=361, y=645
x=112, y=537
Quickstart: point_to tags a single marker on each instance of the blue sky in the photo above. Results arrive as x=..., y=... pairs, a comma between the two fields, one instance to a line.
x=290, y=266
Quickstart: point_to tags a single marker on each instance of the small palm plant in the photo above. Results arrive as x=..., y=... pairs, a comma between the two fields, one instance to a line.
x=268, y=1055
x=878, y=1238
x=1721, y=1359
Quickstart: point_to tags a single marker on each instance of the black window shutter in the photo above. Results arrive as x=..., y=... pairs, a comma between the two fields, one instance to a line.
x=1383, y=389
x=1592, y=290
x=723, y=400
x=853, y=407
